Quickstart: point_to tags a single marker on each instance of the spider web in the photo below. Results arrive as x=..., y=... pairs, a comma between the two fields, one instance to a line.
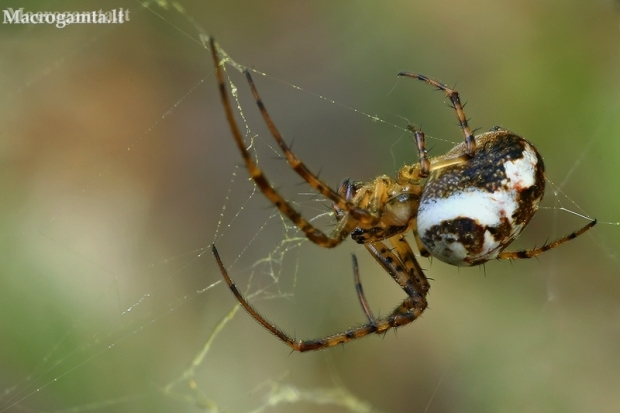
x=120, y=171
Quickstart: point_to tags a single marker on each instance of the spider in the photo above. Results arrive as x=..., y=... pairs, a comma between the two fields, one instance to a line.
x=463, y=208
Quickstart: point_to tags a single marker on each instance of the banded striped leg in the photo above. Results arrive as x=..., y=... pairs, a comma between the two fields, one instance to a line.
x=348, y=221
x=453, y=95
x=414, y=285
x=429, y=165
x=360, y=214
x=360, y=291
x=401, y=264
x=425, y=164
x=404, y=269
x=531, y=253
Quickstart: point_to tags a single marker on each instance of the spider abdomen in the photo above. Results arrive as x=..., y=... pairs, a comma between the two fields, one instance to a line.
x=470, y=211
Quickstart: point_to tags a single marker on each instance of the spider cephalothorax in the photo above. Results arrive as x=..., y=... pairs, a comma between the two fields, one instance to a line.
x=395, y=203
x=464, y=207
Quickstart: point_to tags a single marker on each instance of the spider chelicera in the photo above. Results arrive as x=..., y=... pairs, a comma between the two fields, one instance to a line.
x=463, y=208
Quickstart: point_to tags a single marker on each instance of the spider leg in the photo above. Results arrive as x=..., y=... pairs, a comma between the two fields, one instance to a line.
x=360, y=291
x=405, y=254
x=453, y=95
x=425, y=164
x=248, y=307
x=302, y=170
x=401, y=264
x=531, y=253
x=410, y=309
x=344, y=227
x=297, y=345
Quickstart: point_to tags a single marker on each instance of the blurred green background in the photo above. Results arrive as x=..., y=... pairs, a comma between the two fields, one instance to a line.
x=117, y=161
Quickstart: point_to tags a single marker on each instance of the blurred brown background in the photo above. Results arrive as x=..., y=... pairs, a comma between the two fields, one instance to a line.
x=117, y=160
